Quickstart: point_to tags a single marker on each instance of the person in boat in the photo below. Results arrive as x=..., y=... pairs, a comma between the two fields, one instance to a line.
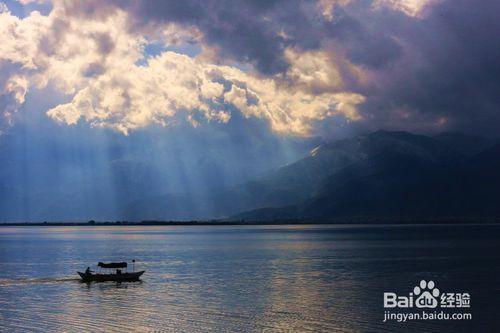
x=119, y=275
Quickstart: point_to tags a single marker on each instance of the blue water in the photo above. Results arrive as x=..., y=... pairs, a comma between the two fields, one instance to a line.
x=243, y=278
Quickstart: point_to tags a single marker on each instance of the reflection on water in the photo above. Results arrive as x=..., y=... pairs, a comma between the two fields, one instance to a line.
x=241, y=278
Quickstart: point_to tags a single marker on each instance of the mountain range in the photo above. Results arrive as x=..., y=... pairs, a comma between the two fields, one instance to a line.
x=401, y=175
x=380, y=175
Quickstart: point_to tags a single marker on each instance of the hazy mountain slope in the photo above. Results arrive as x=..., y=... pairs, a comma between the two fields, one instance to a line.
x=290, y=184
x=378, y=174
x=303, y=179
x=406, y=176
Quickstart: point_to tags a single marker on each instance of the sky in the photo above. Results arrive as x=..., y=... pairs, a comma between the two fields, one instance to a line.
x=210, y=93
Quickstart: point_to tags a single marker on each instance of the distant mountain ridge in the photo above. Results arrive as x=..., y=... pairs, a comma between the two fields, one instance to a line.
x=382, y=174
x=406, y=176
x=385, y=174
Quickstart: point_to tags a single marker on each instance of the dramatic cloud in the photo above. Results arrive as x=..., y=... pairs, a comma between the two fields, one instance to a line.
x=410, y=64
x=100, y=62
x=171, y=85
x=447, y=76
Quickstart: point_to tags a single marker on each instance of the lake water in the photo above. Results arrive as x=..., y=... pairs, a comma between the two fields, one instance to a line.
x=243, y=278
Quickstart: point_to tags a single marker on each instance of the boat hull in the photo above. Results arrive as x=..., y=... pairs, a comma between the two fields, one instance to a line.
x=123, y=277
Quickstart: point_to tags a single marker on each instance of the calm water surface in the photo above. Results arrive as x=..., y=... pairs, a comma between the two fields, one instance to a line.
x=243, y=278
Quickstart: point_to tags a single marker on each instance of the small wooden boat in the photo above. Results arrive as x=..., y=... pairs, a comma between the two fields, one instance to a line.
x=116, y=274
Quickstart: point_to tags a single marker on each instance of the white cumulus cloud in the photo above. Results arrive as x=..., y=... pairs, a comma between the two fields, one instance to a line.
x=99, y=62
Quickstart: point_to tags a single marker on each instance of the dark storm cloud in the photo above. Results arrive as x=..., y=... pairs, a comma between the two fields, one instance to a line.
x=364, y=35
x=438, y=71
x=246, y=31
x=258, y=31
x=449, y=74
x=255, y=31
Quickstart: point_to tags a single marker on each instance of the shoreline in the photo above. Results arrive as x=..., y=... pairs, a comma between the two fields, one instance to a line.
x=353, y=221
